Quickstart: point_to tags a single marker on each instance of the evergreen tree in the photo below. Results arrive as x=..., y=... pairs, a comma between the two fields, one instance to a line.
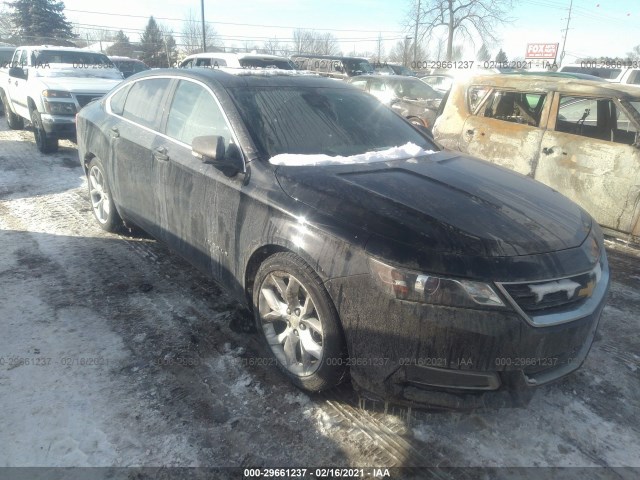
x=170, y=50
x=501, y=57
x=483, y=54
x=152, y=45
x=122, y=46
x=41, y=22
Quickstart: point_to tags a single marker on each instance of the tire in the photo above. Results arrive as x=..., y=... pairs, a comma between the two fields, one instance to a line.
x=45, y=142
x=308, y=346
x=104, y=210
x=14, y=122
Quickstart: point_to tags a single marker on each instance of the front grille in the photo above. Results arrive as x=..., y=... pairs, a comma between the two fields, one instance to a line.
x=554, y=296
x=84, y=99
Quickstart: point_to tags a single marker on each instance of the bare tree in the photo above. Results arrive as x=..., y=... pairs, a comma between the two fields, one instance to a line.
x=5, y=24
x=191, y=37
x=402, y=52
x=272, y=46
x=634, y=54
x=380, y=49
x=465, y=18
x=308, y=41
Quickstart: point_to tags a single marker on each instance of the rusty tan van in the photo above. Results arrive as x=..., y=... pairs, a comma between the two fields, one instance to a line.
x=578, y=136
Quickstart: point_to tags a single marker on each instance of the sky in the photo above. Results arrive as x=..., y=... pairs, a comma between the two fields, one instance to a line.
x=597, y=28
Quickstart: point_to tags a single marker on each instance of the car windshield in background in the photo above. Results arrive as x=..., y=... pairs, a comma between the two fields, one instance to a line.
x=321, y=121
x=87, y=59
x=358, y=67
x=5, y=56
x=283, y=64
x=130, y=66
x=413, y=89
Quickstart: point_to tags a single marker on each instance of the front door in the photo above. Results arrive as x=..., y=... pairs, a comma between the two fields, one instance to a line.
x=507, y=129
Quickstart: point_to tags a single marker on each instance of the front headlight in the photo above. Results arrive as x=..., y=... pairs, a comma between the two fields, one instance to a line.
x=425, y=288
x=60, y=108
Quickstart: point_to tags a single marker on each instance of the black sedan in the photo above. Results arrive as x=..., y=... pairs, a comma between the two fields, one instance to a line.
x=432, y=277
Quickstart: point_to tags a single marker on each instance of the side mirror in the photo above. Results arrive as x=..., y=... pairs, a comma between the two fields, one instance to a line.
x=17, y=72
x=211, y=150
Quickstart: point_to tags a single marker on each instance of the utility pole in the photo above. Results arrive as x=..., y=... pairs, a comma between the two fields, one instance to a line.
x=415, y=35
x=566, y=32
x=204, y=31
x=405, y=59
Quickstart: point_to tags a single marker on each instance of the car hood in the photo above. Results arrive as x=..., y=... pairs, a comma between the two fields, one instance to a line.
x=443, y=202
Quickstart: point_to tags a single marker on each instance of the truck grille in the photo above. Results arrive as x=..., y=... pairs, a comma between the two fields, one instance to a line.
x=84, y=99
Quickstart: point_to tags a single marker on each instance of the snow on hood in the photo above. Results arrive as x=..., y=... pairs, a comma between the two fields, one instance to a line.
x=406, y=151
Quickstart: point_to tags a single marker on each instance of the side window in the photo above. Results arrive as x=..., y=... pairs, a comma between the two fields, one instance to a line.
x=377, y=86
x=634, y=77
x=361, y=84
x=118, y=99
x=194, y=113
x=598, y=118
x=144, y=103
x=475, y=95
x=24, y=59
x=187, y=64
x=515, y=107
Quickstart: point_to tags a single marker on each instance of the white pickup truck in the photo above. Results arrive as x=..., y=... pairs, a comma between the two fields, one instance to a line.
x=49, y=85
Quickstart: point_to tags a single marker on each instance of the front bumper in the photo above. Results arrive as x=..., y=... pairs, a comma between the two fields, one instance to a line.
x=60, y=126
x=454, y=358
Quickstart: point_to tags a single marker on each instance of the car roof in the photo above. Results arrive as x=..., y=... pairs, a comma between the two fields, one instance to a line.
x=233, y=55
x=117, y=57
x=230, y=77
x=561, y=84
x=328, y=57
x=581, y=76
x=387, y=78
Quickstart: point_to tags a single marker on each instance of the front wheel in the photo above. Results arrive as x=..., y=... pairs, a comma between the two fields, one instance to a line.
x=299, y=323
x=44, y=141
x=101, y=200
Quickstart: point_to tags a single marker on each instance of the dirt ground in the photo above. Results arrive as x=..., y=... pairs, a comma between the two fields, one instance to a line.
x=115, y=352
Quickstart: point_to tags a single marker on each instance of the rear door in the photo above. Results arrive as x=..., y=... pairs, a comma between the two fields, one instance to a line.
x=588, y=155
x=136, y=155
x=507, y=128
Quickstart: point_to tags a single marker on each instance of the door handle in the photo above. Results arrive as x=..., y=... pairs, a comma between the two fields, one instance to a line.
x=470, y=132
x=115, y=133
x=16, y=84
x=547, y=150
x=161, y=154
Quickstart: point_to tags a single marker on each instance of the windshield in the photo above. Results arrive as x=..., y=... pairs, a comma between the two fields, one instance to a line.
x=282, y=64
x=357, y=66
x=413, y=89
x=329, y=121
x=78, y=59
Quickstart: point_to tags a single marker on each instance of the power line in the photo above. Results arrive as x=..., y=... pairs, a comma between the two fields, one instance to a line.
x=236, y=24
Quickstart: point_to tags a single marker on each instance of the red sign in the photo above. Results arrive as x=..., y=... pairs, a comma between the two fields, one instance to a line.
x=542, y=50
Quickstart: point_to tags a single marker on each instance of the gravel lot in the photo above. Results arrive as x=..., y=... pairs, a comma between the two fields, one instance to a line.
x=115, y=352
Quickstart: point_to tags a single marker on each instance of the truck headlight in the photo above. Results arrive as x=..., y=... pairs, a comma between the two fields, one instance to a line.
x=60, y=108
x=426, y=288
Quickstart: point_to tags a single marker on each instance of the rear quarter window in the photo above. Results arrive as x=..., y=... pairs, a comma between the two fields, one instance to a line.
x=475, y=95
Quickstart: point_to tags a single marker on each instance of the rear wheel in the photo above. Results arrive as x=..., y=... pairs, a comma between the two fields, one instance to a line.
x=44, y=141
x=299, y=322
x=101, y=200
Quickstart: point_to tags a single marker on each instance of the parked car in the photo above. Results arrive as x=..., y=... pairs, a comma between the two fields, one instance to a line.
x=615, y=73
x=128, y=66
x=5, y=59
x=408, y=96
x=439, y=82
x=49, y=85
x=436, y=278
x=333, y=66
x=393, y=69
x=580, y=137
x=236, y=60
